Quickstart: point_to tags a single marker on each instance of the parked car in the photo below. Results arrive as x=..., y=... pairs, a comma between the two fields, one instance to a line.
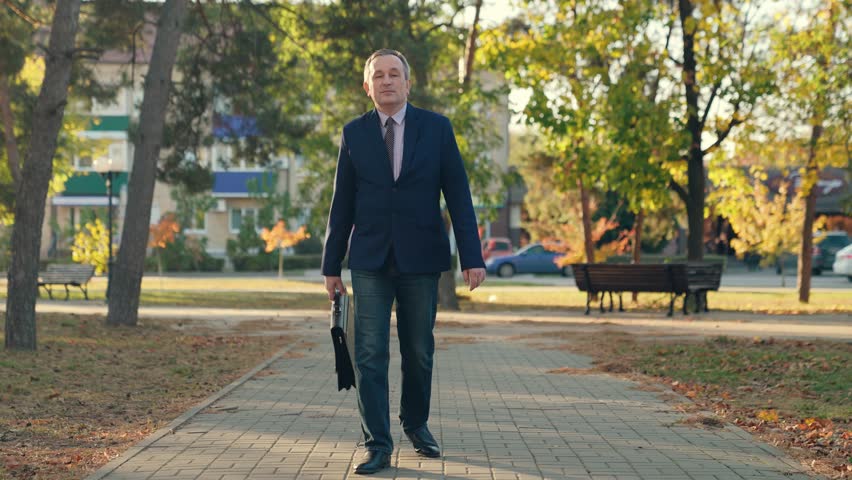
x=533, y=258
x=843, y=262
x=496, y=247
x=826, y=245
x=826, y=249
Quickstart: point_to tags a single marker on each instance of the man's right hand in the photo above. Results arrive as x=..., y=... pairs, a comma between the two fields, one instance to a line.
x=332, y=284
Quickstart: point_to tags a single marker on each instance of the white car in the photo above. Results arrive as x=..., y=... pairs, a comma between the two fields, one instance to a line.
x=843, y=262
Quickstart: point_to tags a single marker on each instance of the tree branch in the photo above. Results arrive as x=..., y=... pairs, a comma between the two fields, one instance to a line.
x=710, y=103
x=20, y=13
x=12, y=155
x=722, y=134
x=88, y=53
x=679, y=190
x=263, y=14
x=471, y=46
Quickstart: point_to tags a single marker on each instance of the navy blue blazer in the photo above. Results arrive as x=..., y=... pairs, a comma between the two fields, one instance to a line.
x=378, y=212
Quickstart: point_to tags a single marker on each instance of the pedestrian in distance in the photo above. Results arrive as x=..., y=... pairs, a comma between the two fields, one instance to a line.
x=393, y=165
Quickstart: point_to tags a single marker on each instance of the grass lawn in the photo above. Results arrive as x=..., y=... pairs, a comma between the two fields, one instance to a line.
x=273, y=293
x=491, y=298
x=795, y=394
x=91, y=391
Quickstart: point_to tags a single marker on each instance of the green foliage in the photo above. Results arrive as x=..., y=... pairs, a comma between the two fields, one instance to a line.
x=188, y=254
x=5, y=247
x=266, y=262
x=764, y=224
x=607, y=89
x=274, y=205
x=235, y=70
x=91, y=246
x=22, y=65
x=309, y=246
x=248, y=241
x=190, y=205
x=335, y=38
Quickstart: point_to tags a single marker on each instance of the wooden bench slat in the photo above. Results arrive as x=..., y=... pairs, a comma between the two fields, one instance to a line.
x=75, y=275
x=674, y=278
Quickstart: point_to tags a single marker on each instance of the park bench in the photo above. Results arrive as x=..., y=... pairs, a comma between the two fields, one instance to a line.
x=701, y=278
x=74, y=274
x=603, y=278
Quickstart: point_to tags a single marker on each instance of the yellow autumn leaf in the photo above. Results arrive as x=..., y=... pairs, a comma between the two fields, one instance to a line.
x=768, y=415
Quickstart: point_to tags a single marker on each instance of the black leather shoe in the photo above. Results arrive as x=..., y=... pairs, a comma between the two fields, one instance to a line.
x=372, y=462
x=424, y=443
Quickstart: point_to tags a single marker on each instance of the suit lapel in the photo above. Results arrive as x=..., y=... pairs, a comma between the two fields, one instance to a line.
x=412, y=132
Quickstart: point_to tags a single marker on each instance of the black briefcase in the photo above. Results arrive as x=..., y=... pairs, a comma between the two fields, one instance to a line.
x=343, y=336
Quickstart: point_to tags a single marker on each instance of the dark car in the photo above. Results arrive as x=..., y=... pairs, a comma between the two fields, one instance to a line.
x=533, y=258
x=826, y=246
x=826, y=249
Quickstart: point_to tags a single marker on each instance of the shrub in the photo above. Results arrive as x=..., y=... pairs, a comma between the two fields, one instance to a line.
x=187, y=254
x=267, y=262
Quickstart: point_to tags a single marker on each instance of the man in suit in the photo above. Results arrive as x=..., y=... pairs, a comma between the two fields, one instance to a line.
x=393, y=165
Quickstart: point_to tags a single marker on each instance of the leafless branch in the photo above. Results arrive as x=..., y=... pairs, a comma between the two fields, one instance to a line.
x=679, y=190
x=722, y=134
x=265, y=16
x=710, y=103
x=20, y=13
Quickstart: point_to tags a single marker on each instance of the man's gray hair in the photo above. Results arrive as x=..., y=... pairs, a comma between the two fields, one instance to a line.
x=381, y=53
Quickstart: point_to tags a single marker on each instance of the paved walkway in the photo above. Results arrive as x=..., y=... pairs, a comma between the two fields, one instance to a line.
x=497, y=413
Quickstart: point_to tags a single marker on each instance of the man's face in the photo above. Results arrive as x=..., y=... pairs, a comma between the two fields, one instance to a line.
x=387, y=85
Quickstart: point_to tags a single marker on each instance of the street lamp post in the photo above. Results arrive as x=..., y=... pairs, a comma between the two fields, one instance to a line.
x=106, y=170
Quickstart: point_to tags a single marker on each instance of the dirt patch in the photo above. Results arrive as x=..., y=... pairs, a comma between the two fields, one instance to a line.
x=92, y=391
x=703, y=421
x=444, y=341
x=457, y=324
x=573, y=371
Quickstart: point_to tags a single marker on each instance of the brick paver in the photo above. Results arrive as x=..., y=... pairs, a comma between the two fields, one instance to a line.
x=496, y=411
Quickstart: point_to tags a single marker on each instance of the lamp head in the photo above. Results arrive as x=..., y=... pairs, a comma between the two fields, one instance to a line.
x=102, y=164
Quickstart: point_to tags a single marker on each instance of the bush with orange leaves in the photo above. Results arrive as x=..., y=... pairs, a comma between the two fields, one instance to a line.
x=571, y=242
x=162, y=234
x=279, y=237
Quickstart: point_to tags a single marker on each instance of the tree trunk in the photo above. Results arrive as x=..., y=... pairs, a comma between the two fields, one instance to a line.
x=587, y=222
x=124, y=294
x=280, y=262
x=637, y=243
x=806, y=253
x=12, y=155
x=695, y=157
x=470, y=51
x=31, y=191
x=447, y=299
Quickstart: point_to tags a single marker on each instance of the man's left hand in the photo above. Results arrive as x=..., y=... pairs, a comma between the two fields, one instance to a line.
x=473, y=277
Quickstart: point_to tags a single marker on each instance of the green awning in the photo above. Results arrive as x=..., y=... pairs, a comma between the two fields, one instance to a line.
x=91, y=183
x=109, y=123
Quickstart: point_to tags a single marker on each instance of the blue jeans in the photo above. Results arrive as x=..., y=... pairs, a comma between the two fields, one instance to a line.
x=417, y=300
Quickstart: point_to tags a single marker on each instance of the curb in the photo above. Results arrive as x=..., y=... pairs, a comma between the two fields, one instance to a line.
x=178, y=422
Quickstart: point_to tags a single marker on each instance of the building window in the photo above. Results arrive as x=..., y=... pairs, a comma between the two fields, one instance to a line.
x=197, y=222
x=223, y=157
x=83, y=163
x=240, y=216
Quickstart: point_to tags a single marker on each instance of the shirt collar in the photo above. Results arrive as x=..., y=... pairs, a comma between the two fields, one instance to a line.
x=398, y=117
